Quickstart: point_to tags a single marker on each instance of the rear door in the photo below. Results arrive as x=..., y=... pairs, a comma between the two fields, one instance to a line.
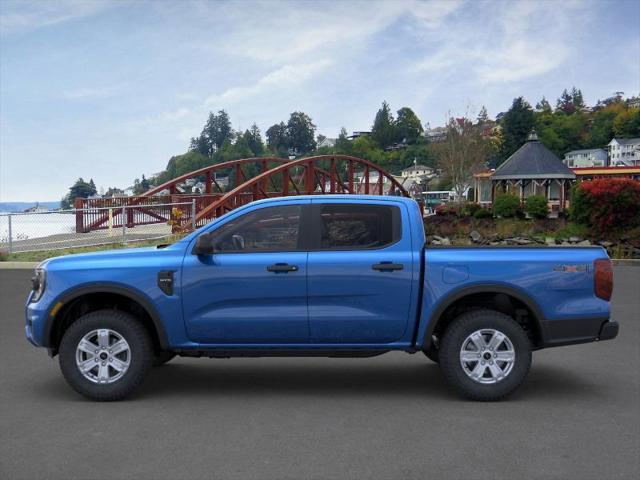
x=360, y=272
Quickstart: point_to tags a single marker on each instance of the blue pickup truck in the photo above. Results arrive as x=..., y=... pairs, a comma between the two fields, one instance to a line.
x=330, y=275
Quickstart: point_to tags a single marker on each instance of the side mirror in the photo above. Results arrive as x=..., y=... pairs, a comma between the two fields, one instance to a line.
x=204, y=245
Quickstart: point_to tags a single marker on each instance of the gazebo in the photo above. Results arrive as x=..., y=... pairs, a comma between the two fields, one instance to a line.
x=532, y=170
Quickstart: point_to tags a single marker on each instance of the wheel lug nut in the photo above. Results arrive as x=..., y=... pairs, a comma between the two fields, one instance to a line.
x=482, y=363
x=104, y=363
x=111, y=359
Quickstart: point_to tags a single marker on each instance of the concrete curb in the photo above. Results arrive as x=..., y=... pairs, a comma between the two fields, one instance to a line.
x=628, y=262
x=18, y=265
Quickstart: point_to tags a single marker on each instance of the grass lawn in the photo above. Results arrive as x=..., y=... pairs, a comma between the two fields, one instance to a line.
x=44, y=254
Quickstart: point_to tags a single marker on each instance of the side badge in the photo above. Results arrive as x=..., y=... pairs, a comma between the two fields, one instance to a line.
x=570, y=268
x=165, y=281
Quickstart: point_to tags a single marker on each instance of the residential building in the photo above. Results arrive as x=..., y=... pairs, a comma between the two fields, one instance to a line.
x=417, y=172
x=624, y=152
x=327, y=142
x=358, y=134
x=594, y=157
x=591, y=173
x=435, y=135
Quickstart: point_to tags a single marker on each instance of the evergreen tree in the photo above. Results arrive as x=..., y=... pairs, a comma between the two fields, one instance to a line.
x=565, y=103
x=301, y=133
x=517, y=123
x=483, y=116
x=543, y=106
x=343, y=144
x=253, y=138
x=576, y=99
x=216, y=131
x=408, y=126
x=382, y=130
x=277, y=140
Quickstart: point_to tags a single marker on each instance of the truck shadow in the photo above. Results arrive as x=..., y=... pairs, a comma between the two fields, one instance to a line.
x=344, y=379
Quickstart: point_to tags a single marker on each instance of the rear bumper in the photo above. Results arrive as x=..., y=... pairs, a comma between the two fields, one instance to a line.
x=570, y=332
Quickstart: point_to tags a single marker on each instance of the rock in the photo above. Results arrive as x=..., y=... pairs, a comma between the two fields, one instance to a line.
x=574, y=239
x=584, y=243
x=565, y=244
x=446, y=241
x=475, y=236
x=436, y=242
x=605, y=243
x=494, y=243
x=550, y=240
x=438, y=238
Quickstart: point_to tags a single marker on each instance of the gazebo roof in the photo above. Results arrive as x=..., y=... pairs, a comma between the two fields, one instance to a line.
x=532, y=160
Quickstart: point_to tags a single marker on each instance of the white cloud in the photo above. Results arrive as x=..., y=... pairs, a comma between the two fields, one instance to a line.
x=285, y=77
x=526, y=40
x=20, y=16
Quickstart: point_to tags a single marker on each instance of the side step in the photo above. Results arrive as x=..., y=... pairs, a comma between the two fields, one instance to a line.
x=278, y=352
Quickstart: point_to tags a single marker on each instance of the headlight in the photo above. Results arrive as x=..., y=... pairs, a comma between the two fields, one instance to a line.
x=38, y=282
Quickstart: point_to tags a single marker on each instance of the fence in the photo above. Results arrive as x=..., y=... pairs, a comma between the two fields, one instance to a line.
x=60, y=229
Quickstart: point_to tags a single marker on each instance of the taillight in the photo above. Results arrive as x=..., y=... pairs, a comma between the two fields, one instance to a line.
x=603, y=278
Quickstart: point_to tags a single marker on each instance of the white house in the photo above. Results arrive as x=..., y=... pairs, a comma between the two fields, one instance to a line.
x=327, y=142
x=594, y=157
x=624, y=152
x=418, y=172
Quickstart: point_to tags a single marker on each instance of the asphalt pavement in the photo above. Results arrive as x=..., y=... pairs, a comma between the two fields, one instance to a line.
x=576, y=417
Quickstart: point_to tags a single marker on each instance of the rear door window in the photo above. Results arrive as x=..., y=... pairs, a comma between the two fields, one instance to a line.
x=358, y=226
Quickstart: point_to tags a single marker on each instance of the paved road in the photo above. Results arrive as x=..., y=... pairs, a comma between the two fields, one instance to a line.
x=577, y=416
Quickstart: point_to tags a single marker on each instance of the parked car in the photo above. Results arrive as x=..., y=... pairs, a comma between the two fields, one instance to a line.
x=331, y=275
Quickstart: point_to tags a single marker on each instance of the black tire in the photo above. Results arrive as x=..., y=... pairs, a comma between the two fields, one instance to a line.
x=163, y=357
x=432, y=354
x=452, y=344
x=140, y=361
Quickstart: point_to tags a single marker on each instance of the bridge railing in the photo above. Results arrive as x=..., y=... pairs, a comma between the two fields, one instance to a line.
x=103, y=213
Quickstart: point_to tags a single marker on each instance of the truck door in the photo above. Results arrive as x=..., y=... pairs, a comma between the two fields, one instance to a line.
x=359, y=272
x=253, y=289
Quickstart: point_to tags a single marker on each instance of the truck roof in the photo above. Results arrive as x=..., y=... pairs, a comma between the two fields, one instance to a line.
x=339, y=196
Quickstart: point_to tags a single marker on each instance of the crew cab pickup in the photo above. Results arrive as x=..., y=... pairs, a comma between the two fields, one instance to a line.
x=325, y=275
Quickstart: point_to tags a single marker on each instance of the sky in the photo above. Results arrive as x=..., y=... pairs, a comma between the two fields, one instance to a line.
x=110, y=90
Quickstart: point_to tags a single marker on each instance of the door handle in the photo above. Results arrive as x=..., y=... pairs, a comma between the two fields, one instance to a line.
x=282, y=268
x=387, y=266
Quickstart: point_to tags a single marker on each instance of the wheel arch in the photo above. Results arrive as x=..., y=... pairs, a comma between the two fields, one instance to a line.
x=65, y=308
x=503, y=298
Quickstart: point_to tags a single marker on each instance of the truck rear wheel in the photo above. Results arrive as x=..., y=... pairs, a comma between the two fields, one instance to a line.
x=485, y=355
x=105, y=355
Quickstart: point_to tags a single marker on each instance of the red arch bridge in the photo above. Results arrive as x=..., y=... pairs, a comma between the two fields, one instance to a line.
x=229, y=185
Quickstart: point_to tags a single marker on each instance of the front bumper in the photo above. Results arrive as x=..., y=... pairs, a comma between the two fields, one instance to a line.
x=570, y=332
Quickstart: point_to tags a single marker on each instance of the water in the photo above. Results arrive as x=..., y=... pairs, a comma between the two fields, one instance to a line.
x=29, y=226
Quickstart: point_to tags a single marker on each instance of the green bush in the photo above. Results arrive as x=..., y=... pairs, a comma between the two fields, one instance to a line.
x=469, y=209
x=536, y=206
x=483, y=213
x=506, y=205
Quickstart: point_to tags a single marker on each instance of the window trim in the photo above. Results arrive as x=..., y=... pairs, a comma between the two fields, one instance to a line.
x=315, y=240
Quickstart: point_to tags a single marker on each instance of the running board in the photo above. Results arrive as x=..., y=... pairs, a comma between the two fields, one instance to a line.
x=278, y=352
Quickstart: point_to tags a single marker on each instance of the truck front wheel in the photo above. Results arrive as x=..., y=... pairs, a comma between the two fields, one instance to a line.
x=105, y=355
x=485, y=355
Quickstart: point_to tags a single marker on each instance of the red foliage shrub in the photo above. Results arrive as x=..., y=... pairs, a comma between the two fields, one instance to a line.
x=607, y=204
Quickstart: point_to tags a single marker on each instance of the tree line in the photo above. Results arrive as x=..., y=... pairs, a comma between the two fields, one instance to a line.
x=398, y=140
